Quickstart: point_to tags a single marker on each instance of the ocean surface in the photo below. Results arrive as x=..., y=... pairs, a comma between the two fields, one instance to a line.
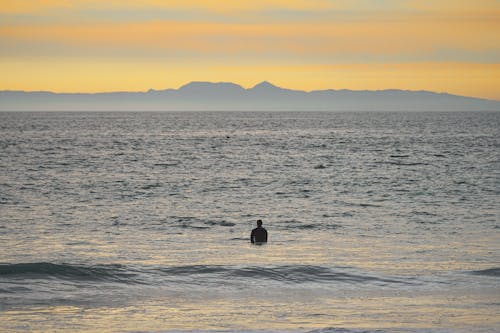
x=140, y=222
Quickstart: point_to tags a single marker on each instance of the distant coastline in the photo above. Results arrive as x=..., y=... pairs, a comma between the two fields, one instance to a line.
x=227, y=96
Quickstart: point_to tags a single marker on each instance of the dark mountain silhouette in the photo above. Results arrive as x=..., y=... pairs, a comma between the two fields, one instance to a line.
x=230, y=96
x=209, y=89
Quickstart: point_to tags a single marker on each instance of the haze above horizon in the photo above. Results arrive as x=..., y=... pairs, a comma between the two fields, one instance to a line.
x=89, y=46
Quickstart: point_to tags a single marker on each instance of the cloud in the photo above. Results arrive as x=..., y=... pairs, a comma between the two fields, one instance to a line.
x=315, y=27
x=32, y=6
x=392, y=37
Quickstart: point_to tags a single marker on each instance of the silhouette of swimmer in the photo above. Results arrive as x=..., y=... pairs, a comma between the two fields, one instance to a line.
x=259, y=234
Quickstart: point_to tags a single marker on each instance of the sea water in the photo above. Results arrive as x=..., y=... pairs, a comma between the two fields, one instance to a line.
x=140, y=222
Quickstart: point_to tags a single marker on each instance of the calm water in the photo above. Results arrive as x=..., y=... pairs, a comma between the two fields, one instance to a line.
x=378, y=222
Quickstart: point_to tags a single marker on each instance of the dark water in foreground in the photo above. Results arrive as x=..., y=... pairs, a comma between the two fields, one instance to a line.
x=378, y=222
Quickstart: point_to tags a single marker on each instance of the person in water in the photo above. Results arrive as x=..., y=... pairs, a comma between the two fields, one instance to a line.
x=259, y=234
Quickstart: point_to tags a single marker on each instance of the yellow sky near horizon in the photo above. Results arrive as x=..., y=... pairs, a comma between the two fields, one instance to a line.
x=91, y=46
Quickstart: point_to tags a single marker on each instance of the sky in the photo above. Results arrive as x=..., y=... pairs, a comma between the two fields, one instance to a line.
x=95, y=46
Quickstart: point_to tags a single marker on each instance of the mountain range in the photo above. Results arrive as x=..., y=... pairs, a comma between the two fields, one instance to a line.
x=226, y=96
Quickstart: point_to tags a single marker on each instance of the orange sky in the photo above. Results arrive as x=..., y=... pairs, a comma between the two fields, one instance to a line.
x=89, y=46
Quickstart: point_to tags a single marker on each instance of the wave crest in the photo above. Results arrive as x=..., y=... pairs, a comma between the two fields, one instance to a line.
x=191, y=274
x=65, y=271
x=488, y=272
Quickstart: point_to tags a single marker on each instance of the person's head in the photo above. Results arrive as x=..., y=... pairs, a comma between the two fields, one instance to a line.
x=259, y=223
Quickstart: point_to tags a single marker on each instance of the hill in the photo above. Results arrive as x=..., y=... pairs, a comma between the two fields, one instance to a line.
x=226, y=96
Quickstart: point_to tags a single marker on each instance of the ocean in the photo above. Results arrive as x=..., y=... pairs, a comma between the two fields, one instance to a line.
x=140, y=222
